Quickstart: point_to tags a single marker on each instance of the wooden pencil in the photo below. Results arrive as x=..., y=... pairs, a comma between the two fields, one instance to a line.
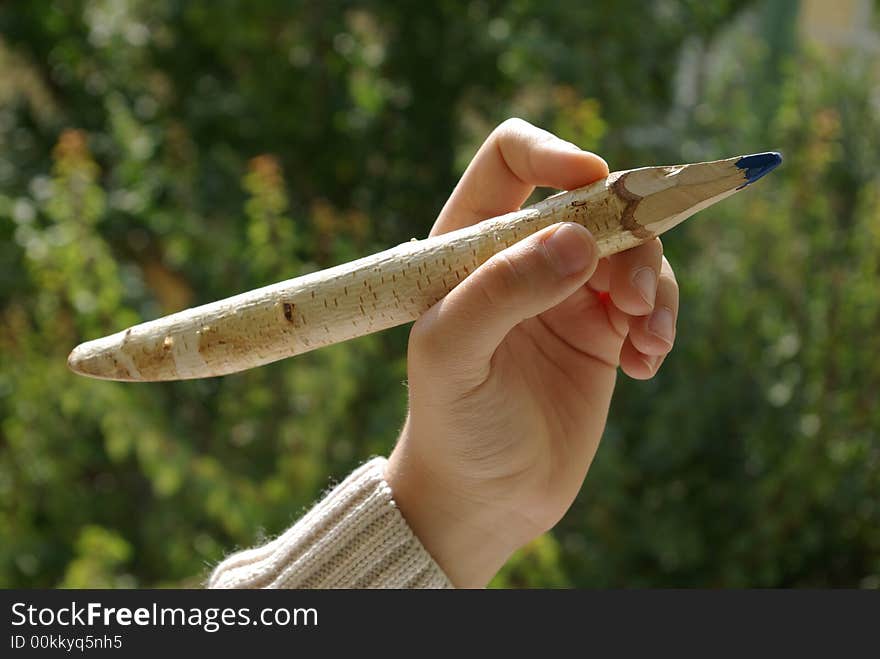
x=395, y=286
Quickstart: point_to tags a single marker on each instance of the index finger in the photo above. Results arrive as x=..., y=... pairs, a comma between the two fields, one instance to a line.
x=515, y=158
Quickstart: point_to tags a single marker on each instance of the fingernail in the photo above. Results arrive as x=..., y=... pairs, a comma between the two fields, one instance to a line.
x=645, y=281
x=570, y=249
x=662, y=324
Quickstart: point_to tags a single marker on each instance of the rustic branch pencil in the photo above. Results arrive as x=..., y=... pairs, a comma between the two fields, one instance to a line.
x=393, y=287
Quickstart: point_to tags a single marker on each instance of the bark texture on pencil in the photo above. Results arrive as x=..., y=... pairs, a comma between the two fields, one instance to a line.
x=393, y=287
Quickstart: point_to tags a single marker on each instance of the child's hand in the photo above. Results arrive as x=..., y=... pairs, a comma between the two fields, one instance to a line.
x=511, y=374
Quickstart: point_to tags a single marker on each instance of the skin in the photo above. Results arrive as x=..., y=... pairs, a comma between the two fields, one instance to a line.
x=511, y=374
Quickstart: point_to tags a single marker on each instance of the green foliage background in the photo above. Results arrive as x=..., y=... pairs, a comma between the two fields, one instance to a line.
x=156, y=154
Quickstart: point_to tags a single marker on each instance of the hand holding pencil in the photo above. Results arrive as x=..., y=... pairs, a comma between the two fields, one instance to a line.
x=511, y=374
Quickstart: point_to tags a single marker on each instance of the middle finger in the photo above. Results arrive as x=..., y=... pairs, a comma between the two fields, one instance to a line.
x=634, y=277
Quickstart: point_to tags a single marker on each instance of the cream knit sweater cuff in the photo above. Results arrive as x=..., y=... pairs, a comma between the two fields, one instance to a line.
x=354, y=538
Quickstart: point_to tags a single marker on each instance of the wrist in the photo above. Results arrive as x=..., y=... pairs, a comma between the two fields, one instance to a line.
x=464, y=537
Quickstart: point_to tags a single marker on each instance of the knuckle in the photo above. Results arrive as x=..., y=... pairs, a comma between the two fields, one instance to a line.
x=656, y=251
x=667, y=283
x=530, y=168
x=666, y=299
x=518, y=140
x=512, y=125
x=670, y=291
x=510, y=135
x=503, y=281
x=667, y=271
x=424, y=342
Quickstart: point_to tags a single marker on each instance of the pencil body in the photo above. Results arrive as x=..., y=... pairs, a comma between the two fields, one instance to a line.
x=397, y=285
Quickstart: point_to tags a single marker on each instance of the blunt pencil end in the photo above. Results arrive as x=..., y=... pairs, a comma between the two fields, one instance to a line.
x=758, y=164
x=77, y=363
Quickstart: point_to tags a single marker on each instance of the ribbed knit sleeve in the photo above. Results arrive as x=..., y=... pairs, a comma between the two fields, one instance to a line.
x=353, y=538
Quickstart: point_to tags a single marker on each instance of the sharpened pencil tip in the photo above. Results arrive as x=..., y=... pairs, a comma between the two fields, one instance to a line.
x=758, y=164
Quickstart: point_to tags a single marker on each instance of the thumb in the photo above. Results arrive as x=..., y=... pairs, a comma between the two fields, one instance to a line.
x=522, y=281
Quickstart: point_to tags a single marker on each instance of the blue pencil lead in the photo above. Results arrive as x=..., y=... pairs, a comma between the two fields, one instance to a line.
x=758, y=164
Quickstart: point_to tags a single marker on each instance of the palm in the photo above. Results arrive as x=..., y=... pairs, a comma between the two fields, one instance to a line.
x=557, y=371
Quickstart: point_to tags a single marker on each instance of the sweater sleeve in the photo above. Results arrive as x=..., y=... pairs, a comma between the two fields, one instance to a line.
x=355, y=537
